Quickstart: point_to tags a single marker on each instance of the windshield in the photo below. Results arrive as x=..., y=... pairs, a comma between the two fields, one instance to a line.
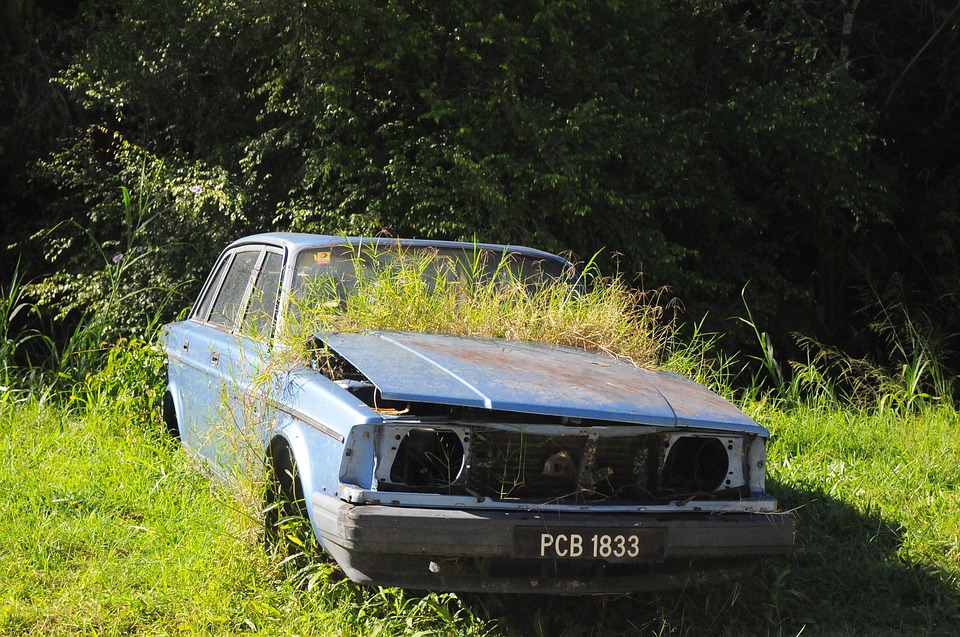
x=340, y=268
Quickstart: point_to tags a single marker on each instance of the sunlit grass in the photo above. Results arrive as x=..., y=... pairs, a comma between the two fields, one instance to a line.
x=108, y=528
x=902, y=469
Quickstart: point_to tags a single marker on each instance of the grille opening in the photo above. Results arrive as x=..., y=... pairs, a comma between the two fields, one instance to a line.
x=695, y=464
x=572, y=468
x=580, y=467
x=428, y=458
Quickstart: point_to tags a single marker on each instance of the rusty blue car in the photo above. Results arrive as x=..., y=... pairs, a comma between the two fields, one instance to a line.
x=454, y=463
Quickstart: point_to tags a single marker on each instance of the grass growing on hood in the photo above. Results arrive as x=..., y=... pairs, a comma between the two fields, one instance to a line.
x=416, y=290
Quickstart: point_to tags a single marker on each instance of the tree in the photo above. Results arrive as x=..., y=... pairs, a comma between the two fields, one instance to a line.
x=706, y=143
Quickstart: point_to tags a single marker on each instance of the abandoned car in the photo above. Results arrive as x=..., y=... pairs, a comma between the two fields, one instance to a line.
x=444, y=462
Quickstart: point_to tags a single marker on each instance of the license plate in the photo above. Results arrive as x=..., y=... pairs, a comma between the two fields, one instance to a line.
x=610, y=545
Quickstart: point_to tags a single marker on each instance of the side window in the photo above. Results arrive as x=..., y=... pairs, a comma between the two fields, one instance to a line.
x=258, y=320
x=226, y=308
x=202, y=309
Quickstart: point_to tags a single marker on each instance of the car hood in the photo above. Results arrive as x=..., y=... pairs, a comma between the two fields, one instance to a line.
x=528, y=377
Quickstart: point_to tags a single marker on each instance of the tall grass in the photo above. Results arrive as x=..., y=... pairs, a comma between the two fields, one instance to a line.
x=916, y=347
x=108, y=528
x=22, y=344
x=588, y=311
x=910, y=375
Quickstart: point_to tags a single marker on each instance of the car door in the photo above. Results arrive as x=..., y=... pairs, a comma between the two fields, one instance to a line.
x=225, y=350
x=254, y=380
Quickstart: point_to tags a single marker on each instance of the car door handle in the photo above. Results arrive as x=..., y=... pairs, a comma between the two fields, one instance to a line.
x=186, y=346
x=215, y=358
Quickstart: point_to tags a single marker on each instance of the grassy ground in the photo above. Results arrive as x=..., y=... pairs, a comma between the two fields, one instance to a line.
x=107, y=529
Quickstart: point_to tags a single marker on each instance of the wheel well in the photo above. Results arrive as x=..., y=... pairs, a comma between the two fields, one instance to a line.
x=285, y=488
x=286, y=519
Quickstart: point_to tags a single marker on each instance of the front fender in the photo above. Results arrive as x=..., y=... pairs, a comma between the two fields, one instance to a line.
x=317, y=418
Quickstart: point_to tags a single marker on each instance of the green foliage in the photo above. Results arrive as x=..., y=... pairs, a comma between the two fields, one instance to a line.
x=801, y=146
x=673, y=134
x=916, y=345
x=128, y=269
x=129, y=385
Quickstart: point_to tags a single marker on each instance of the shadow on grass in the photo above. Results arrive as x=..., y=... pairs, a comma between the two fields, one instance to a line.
x=844, y=577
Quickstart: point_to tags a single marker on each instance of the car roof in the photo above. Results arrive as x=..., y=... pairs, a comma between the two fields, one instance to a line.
x=296, y=241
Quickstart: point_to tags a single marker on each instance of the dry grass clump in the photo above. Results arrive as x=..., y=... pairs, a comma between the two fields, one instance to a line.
x=583, y=310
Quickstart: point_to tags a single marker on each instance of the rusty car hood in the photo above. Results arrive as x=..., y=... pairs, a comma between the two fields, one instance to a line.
x=528, y=377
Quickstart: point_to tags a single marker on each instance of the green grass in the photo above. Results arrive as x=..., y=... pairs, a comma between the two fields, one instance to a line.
x=107, y=528
x=878, y=512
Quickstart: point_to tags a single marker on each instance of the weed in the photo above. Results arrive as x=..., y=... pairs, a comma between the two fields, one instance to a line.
x=21, y=344
x=767, y=357
x=913, y=378
x=915, y=349
x=129, y=384
x=697, y=355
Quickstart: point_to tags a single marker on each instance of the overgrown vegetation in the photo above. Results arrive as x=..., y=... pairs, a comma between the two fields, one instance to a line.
x=419, y=292
x=708, y=143
x=123, y=535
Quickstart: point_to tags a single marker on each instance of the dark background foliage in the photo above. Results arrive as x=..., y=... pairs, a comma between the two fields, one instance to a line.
x=804, y=149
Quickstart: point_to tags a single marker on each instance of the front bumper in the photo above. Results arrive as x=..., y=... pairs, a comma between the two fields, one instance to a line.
x=477, y=550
